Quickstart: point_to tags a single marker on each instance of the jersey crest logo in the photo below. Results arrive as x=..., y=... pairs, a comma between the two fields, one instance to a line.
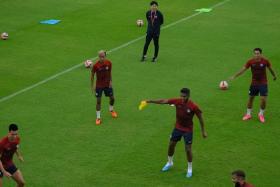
x=107, y=67
x=261, y=65
x=188, y=110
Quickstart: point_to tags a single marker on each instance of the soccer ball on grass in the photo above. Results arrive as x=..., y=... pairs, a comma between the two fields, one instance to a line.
x=223, y=85
x=4, y=36
x=139, y=22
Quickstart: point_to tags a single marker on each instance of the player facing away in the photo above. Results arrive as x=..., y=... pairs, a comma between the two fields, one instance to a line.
x=185, y=110
x=258, y=65
x=102, y=69
x=238, y=178
x=9, y=145
x=155, y=20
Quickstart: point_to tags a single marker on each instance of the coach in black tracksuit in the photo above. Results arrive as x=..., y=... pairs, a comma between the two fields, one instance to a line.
x=155, y=20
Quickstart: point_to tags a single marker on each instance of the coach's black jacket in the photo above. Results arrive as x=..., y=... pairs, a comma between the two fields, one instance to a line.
x=154, y=27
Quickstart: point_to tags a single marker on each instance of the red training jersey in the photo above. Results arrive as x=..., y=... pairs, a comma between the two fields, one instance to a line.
x=258, y=69
x=7, y=150
x=184, y=113
x=247, y=185
x=244, y=185
x=103, y=73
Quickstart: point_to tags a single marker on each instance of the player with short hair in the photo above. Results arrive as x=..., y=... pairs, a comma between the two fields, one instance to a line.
x=238, y=178
x=155, y=20
x=258, y=65
x=9, y=145
x=102, y=68
x=185, y=110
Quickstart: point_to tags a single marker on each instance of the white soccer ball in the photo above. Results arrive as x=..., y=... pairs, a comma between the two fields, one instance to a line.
x=140, y=22
x=4, y=36
x=223, y=85
x=88, y=63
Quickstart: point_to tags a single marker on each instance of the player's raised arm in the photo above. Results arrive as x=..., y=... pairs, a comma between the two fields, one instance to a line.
x=144, y=103
x=159, y=101
x=272, y=73
x=202, y=126
x=240, y=72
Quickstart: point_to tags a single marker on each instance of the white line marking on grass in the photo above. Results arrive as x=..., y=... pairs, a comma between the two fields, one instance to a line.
x=110, y=51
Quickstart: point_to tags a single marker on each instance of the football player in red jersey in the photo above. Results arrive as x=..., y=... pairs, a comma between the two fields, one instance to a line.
x=238, y=178
x=185, y=110
x=102, y=68
x=9, y=145
x=258, y=65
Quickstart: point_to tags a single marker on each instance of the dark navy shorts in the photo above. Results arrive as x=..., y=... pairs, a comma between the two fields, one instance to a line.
x=178, y=134
x=107, y=91
x=12, y=169
x=256, y=90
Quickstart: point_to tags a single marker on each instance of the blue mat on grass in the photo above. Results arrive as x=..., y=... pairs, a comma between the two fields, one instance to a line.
x=50, y=21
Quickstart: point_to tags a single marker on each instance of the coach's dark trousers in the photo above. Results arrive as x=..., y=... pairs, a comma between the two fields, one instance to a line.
x=149, y=38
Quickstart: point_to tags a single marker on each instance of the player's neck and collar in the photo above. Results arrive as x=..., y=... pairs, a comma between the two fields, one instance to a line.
x=101, y=62
x=240, y=184
x=185, y=100
x=258, y=58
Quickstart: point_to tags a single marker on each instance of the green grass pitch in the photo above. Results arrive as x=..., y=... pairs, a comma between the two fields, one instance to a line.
x=61, y=144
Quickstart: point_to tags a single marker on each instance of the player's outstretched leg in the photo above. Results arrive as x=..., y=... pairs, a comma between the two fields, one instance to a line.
x=188, y=149
x=17, y=176
x=248, y=115
x=171, y=150
x=111, y=107
x=262, y=108
x=98, y=111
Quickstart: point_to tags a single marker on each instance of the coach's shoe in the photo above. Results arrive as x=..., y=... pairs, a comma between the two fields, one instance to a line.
x=189, y=174
x=98, y=121
x=167, y=166
x=154, y=59
x=261, y=118
x=246, y=117
x=114, y=114
x=143, y=59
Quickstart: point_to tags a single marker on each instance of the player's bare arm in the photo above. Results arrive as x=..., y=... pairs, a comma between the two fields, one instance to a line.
x=272, y=73
x=20, y=157
x=159, y=101
x=240, y=72
x=110, y=84
x=201, y=121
